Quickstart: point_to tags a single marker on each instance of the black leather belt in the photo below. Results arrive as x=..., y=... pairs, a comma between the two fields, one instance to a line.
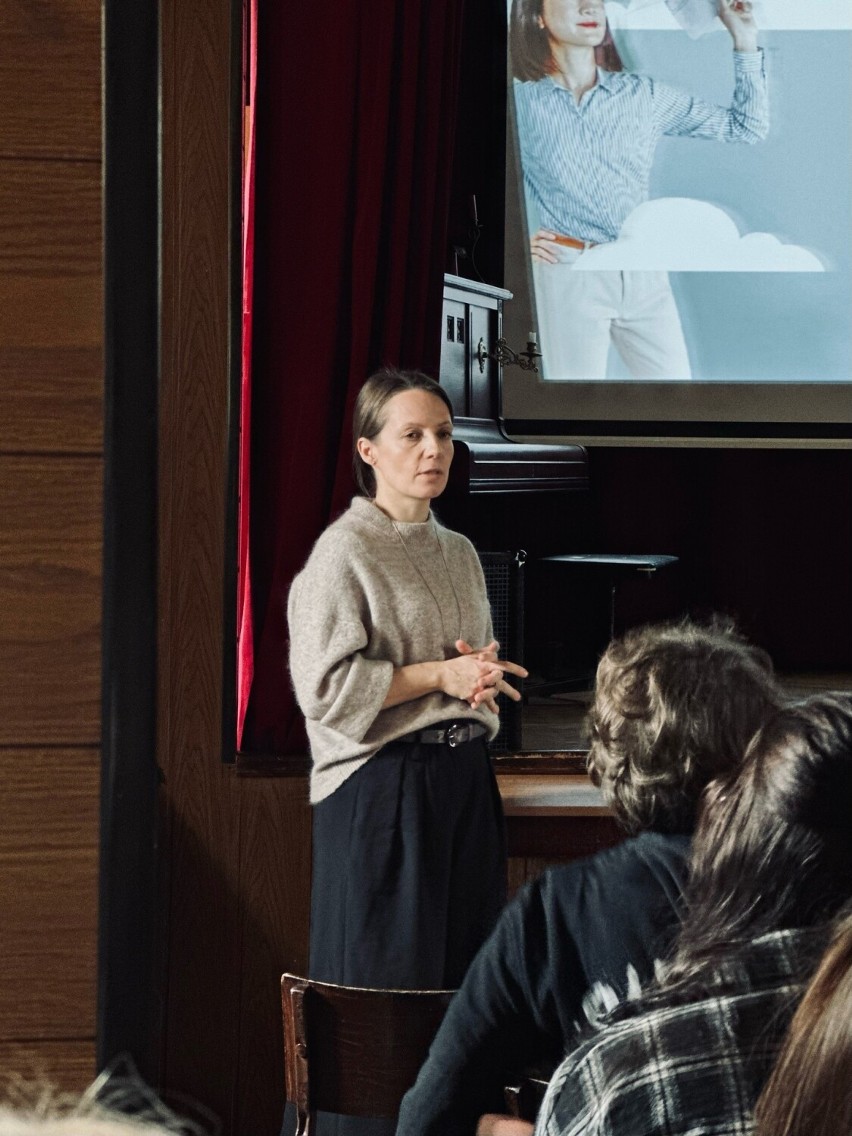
x=454, y=734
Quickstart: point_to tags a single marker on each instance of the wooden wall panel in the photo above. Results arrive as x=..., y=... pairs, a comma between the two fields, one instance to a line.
x=48, y=896
x=556, y=839
x=201, y=923
x=50, y=535
x=67, y=1065
x=63, y=313
x=50, y=307
x=51, y=398
x=48, y=800
x=536, y=843
x=48, y=961
x=50, y=581
x=50, y=264
x=50, y=223
x=50, y=88
x=275, y=882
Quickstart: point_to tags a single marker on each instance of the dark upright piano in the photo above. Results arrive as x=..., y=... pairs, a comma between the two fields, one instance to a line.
x=487, y=460
x=488, y=464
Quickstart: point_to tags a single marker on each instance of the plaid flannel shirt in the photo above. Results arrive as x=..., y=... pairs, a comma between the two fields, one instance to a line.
x=685, y=1070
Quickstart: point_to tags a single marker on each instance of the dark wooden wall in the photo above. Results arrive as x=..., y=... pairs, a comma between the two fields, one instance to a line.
x=50, y=535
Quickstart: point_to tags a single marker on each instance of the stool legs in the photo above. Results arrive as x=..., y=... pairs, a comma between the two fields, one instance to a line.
x=612, y=587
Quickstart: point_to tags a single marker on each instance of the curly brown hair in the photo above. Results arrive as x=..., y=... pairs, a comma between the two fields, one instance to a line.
x=773, y=843
x=675, y=705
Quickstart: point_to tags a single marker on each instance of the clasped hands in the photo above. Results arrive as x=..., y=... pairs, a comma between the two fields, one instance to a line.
x=476, y=675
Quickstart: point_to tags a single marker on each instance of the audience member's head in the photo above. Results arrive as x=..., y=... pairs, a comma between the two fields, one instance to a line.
x=773, y=845
x=14, y=1123
x=675, y=706
x=117, y=1103
x=810, y=1090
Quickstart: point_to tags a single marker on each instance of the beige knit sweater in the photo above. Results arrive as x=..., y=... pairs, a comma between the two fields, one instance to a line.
x=377, y=594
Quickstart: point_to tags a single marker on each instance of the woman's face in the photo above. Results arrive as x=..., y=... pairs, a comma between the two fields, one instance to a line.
x=574, y=23
x=411, y=454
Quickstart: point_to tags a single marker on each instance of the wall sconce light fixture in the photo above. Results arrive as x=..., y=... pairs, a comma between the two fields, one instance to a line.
x=506, y=357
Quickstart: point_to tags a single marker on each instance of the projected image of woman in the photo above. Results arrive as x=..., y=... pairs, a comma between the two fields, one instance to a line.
x=588, y=131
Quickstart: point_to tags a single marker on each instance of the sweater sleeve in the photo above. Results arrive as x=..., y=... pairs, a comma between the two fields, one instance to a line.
x=335, y=682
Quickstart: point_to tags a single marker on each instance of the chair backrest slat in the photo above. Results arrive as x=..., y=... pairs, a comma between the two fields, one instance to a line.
x=355, y=1051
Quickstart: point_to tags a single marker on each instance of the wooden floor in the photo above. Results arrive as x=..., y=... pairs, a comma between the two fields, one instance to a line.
x=555, y=723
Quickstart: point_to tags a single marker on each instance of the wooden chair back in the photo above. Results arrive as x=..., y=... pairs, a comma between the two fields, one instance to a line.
x=524, y=1097
x=351, y=1050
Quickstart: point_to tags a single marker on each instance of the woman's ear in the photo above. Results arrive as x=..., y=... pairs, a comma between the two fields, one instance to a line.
x=365, y=451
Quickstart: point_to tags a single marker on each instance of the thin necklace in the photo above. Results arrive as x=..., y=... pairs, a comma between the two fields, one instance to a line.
x=426, y=583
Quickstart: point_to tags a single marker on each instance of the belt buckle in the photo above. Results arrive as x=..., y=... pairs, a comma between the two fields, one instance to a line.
x=457, y=734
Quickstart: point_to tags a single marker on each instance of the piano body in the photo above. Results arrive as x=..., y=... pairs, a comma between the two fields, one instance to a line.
x=488, y=464
x=486, y=460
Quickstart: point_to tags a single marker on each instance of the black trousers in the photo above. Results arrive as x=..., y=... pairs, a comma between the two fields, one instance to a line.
x=408, y=877
x=409, y=868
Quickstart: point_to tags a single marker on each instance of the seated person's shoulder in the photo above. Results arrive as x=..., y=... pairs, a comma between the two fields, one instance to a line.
x=637, y=856
x=651, y=852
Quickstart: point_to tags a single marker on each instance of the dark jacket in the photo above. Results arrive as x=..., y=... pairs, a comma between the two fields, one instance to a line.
x=521, y=1002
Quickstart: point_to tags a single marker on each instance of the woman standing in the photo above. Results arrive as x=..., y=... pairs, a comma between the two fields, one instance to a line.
x=588, y=131
x=395, y=670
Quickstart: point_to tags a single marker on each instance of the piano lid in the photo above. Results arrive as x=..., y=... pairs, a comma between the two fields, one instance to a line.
x=486, y=461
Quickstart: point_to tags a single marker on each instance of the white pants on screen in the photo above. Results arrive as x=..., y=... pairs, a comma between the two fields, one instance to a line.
x=581, y=313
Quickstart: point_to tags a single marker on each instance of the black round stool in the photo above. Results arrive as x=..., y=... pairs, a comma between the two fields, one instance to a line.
x=613, y=567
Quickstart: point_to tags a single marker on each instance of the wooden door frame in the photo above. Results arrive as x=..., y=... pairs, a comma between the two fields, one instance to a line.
x=132, y=933
x=127, y=1015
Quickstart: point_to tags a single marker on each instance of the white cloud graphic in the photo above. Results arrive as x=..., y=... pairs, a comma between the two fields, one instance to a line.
x=681, y=234
x=771, y=15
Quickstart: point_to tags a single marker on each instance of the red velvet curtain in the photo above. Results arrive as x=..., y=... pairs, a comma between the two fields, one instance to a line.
x=245, y=627
x=356, y=112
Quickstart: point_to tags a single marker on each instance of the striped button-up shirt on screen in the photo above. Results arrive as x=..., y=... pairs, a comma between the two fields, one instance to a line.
x=587, y=165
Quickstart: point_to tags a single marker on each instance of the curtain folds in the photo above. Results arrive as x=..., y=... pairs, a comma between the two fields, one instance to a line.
x=245, y=628
x=356, y=112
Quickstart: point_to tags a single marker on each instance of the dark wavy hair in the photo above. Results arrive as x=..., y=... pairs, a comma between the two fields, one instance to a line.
x=772, y=851
x=369, y=416
x=808, y=1093
x=675, y=705
x=773, y=846
x=529, y=44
